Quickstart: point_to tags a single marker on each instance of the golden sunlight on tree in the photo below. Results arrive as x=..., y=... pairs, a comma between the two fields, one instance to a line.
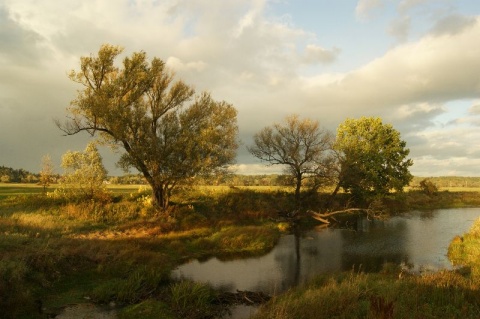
x=167, y=133
x=46, y=173
x=84, y=174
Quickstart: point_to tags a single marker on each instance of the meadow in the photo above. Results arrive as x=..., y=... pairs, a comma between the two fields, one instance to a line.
x=56, y=253
x=119, y=253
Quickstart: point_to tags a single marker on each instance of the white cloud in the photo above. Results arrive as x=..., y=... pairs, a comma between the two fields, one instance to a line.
x=317, y=54
x=178, y=65
x=453, y=24
x=364, y=8
x=255, y=169
x=400, y=28
x=427, y=166
x=243, y=54
x=475, y=108
x=435, y=68
x=407, y=5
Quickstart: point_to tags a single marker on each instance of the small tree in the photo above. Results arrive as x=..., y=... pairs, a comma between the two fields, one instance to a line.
x=428, y=187
x=84, y=174
x=299, y=145
x=373, y=158
x=141, y=109
x=46, y=173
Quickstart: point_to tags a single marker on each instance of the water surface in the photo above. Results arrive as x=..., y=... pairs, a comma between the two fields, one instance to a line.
x=417, y=239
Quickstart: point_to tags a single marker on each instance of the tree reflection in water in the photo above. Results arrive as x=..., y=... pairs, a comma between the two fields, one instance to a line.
x=418, y=239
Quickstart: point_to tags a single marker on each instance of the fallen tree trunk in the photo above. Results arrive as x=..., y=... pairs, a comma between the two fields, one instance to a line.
x=324, y=217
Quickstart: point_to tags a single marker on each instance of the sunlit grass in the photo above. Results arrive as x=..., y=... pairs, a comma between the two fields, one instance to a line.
x=360, y=295
x=117, y=250
x=465, y=250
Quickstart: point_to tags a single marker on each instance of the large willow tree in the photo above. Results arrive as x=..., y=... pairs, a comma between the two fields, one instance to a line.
x=167, y=132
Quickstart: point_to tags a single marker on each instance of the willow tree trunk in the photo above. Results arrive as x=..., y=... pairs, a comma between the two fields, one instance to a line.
x=160, y=195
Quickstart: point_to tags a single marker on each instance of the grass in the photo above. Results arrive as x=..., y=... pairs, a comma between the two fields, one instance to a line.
x=391, y=293
x=56, y=253
x=360, y=295
x=465, y=251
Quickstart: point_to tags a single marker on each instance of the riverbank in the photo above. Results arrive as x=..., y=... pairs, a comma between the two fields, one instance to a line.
x=120, y=253
x=392, y=293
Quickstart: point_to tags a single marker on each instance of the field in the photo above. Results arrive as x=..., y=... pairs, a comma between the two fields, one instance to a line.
x=120, y=252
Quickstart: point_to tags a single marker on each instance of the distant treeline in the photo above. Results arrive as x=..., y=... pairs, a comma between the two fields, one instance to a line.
x=449, y=181
x=11, y=175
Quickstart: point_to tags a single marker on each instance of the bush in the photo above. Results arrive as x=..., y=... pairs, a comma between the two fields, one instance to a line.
x=428, y=187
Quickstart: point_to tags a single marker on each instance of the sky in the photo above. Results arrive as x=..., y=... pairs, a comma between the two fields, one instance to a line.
x=413, y=63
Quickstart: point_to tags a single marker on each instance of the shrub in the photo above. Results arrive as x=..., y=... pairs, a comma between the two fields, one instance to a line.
x=428, y=187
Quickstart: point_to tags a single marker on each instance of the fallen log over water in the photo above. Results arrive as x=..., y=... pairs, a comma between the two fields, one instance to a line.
x=325, y=217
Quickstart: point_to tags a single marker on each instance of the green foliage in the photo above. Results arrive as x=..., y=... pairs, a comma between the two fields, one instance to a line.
x=299, y=145
x=84, y=174
x=141, y=108
x=374, y=158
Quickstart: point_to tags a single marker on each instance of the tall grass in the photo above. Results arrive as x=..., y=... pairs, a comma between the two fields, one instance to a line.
x=359, y=295
x=194, y=300
x=465, y=251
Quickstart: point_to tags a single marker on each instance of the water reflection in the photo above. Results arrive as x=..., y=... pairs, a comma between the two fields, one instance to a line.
x=418, y=238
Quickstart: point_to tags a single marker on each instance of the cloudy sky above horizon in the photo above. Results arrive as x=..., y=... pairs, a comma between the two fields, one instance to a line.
x=414, y=63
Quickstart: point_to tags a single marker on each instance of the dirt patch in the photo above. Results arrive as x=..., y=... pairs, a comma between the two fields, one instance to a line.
x=86, y=311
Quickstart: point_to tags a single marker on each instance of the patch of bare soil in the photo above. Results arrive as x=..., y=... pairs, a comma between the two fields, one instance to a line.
x=86, y=311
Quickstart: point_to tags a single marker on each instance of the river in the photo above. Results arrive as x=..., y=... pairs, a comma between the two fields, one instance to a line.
x=416, y=239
